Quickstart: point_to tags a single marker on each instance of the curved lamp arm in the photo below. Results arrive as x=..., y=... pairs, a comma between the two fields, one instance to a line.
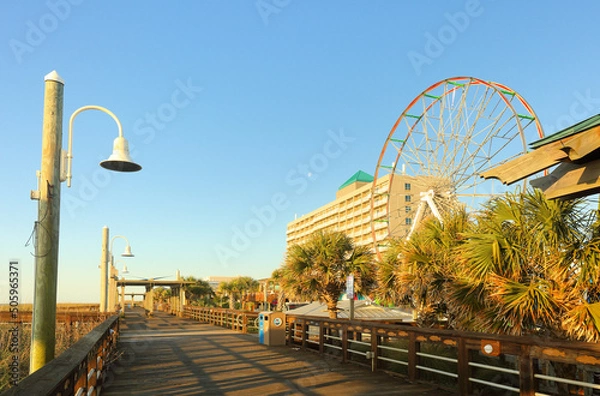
x=127, y=252
x=124, y=270
x=70, y=152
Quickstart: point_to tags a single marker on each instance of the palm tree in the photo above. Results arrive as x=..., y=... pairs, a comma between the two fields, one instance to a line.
x=246, y=285
x=277, y=278
x=161, y=294
x=227, y=289
x=518, y=265
x=418, y=271
x=387, y=290
x=523, y=265
x=200, y=293
x=318, y=269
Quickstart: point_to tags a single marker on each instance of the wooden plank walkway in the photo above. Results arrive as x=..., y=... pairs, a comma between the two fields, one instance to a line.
x=166, y=355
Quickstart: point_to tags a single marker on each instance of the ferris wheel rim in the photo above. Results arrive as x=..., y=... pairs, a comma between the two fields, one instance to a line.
x=498, y=90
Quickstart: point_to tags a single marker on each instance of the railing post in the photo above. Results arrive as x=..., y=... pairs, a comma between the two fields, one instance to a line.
x=322, y=331
x=463, y=367
x=344, y=343
x=80, y=379
x=304, y=330
x=526, y=372
x=375, y=340
x=98, y=365
x=244, y=323
x=413, y=348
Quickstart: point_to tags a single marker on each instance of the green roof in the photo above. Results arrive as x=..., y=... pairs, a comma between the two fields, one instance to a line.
x=359, y=176
x=570, y=131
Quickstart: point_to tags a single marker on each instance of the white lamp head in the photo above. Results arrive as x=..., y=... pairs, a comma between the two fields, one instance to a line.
x=120, y=160
x=127, y=252
x=125, y=270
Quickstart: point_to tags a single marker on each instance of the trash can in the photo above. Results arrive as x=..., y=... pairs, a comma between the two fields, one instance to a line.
x=271, y=328
x=261, y=326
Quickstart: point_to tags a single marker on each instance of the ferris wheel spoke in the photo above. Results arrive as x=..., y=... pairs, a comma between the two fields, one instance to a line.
x=467, y=152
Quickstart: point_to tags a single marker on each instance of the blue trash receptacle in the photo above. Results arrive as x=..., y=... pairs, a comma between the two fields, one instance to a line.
x=261, y=326
x=271, y=328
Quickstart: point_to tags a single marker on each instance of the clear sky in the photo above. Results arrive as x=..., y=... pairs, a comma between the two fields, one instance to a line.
x=228, y=105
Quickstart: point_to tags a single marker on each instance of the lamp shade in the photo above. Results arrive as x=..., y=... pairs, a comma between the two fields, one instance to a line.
x=120, y=160
x=125, y=270
x=127, y=252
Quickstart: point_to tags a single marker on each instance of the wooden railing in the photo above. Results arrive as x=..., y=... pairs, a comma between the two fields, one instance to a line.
x=470, y=363
x=68, y=317
x=244, y=321
x=80, y=370
x=466, y=362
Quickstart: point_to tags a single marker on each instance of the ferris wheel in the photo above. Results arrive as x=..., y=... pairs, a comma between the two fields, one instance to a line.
x=441, y=143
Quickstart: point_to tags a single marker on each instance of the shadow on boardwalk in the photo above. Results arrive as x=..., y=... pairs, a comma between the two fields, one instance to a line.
x=165, y=355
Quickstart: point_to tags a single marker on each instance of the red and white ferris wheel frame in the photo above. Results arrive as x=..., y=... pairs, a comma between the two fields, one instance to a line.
x=507, y=96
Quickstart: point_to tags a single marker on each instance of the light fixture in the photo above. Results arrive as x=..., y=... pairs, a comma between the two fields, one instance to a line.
x=108, y=285
x=127, y=252
x=119, y=160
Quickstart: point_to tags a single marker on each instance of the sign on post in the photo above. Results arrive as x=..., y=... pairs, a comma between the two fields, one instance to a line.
x=350, y=287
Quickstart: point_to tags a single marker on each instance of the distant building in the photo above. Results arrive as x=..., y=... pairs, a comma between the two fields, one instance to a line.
x=350, y=212
x=214, y=281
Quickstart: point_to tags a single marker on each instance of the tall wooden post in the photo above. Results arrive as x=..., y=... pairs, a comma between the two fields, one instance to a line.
x=47, y=227
x=182, y=301
x=151, y=299
x=123, y=301
x=265, y=301
x=104, y=271
x=113, y=297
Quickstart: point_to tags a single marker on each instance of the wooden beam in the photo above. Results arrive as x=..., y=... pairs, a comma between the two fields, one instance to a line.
x=583, y=144
x=527, y=164
x=570, y=180
x=581, y=147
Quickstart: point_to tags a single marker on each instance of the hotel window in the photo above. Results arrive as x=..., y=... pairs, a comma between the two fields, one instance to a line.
x=407, y=198
x=407, y=209
x=407, y=186
x=408, y=221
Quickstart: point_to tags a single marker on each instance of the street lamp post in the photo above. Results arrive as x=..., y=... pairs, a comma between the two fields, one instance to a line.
x=108, y=292
x=50, y=176
x=124, y=271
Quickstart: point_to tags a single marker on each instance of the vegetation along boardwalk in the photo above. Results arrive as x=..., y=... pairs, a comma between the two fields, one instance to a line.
x=165, y=355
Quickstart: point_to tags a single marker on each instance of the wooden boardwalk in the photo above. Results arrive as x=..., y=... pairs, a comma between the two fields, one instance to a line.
x=166, y=355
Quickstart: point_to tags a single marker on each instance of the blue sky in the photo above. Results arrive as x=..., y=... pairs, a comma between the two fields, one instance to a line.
x=227, y=104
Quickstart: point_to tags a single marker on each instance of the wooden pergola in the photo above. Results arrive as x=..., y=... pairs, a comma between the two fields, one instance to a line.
x=573, y=151
x=177, y=300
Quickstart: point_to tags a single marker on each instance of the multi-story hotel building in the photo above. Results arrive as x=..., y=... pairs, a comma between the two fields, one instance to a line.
x=350, y=212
